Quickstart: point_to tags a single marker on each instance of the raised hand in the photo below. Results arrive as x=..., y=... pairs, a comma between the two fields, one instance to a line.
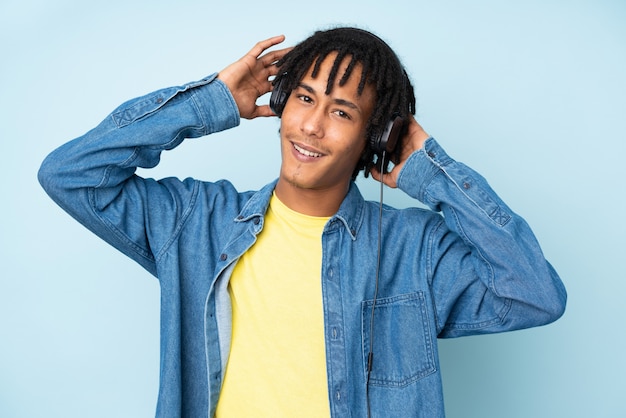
x=249, y=77
x=412, y=141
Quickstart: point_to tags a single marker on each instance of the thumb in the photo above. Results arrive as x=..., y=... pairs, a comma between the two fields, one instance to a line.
x=388, y=179
x=263, y=111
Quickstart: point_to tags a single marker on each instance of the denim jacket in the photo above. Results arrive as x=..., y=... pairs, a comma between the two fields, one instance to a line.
x=468, y=266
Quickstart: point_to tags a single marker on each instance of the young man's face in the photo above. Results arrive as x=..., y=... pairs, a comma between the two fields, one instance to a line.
x=323, y=136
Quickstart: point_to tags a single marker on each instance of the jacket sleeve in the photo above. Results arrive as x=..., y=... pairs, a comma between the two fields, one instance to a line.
x=93, y=177
x=486, y=270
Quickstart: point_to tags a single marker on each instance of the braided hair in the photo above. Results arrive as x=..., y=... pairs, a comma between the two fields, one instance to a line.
x=381, y=69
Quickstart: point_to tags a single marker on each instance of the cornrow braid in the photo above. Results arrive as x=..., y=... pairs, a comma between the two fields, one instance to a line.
x=381, y=68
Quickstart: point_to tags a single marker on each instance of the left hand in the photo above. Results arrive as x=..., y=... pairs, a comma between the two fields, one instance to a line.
x=412, y=141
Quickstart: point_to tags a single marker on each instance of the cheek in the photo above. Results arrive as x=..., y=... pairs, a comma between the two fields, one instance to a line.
x=356, y=147
x=285, y=132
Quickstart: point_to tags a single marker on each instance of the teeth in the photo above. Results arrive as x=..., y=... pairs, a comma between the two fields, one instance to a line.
x=305, y=152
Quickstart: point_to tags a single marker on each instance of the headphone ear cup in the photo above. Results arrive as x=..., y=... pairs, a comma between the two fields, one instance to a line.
x=388, y=139
x=279, y=97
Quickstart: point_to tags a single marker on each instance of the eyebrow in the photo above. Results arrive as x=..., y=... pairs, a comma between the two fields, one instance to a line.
x=341, y=102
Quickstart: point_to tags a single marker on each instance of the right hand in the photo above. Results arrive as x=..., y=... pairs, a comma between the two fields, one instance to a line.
x=248, y=77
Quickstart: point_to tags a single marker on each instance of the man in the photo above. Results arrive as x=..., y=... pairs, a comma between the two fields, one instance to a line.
x=302, y=299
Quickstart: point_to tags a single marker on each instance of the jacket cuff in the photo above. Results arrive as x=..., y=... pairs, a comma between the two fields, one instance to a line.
x=421, y=167
x=216, y=104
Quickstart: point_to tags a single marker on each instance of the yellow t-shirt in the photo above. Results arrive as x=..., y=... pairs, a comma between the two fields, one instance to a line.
x=277, y=363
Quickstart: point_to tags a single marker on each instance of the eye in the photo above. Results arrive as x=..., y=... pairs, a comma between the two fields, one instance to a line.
x=342, y=114
x=304, y=98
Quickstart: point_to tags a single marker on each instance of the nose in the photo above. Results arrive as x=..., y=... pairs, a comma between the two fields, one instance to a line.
x=313, y=122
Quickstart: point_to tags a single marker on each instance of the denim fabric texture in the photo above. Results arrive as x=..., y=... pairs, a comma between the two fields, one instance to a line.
x=468, y=266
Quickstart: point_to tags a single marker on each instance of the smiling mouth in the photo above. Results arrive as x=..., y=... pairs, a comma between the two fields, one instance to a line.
x=306, y=152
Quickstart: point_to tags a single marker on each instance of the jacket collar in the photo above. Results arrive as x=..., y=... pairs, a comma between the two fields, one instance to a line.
x=350, y=213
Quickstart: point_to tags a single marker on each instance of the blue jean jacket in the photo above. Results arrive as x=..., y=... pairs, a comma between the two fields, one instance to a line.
x=476, y=269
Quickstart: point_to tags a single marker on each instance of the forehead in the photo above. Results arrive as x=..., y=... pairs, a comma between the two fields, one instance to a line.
x=340, y=72
x=335, y=68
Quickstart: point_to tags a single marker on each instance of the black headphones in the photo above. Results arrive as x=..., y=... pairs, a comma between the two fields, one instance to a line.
x=385, y=141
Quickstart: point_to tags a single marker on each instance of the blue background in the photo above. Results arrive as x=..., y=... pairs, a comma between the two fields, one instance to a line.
x=531, y=93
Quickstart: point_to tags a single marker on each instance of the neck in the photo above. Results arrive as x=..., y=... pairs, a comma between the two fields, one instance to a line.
x=312, y=202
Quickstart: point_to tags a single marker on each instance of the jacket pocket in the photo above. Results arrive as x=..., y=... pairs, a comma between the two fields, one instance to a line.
x=403, y=344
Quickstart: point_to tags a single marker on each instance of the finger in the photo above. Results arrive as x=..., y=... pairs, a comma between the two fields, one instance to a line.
x=375, y=172
x=265, y=88
x=261, y=46
x=273, y=57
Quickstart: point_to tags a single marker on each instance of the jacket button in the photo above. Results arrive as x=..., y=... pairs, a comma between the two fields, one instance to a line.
x=223, y=257
x=257, y=221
